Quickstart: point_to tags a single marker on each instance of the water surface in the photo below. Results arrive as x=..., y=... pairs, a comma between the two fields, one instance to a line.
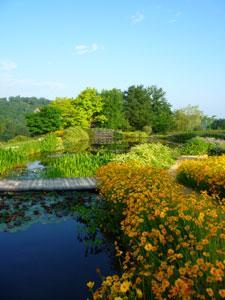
x=45, y=252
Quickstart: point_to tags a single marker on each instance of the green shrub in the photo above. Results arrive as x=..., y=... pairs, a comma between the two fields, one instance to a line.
x=183, y=137
x=72, y=137
x=197, y=146
x=218, y=149
x=51, y=143
x=19, y=138
x=135, y=136
x=147, y=129
x=154, y=154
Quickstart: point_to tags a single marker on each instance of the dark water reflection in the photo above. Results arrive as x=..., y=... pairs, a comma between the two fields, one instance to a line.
x=45, y=252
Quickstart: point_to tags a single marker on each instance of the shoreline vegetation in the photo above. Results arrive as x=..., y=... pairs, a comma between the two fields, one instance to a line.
x=170, y=243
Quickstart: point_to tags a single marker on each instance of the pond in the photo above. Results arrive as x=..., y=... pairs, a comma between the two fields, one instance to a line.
x=47, y=250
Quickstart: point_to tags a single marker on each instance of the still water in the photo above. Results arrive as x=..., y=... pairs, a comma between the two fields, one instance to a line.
x=46, y=252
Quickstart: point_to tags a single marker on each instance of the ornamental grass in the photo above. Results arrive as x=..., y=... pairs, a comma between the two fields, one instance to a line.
x=207, y=174
x=172, y=245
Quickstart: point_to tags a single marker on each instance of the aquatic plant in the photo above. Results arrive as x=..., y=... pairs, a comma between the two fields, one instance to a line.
x=76, y=165
x=13, y=155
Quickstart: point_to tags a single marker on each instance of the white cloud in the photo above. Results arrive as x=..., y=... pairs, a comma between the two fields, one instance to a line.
x=137, y=18
x=7, y=65
x=10, y=85
x=81, y=49
x=172, y=21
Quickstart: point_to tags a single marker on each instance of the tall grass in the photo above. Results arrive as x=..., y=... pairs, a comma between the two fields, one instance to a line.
x=76, y=165
x=14, y=155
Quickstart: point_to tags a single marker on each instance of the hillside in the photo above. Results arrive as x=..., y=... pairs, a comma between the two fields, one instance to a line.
x=12, y=114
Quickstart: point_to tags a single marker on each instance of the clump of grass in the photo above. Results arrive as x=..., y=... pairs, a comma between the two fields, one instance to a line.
x=76, y=165
x=14, y=155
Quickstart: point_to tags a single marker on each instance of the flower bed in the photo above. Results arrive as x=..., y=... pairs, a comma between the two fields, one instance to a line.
x=207, y=174
x=172, y=243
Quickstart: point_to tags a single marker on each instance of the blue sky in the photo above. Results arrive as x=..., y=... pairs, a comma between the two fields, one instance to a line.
x=55, y=48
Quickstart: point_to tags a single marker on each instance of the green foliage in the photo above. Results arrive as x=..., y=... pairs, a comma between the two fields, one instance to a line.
x=11, y=158
x=182, y=137
x=12, y=115
x=139, y=136
x=148, y=107
x=75, y=139
x=51, y=143
x=188, y=118
x=217, y=149
x=13, y=155
x=76, y=165
x=147, y=129
x=137, y=107
x=88, y=108
x=19, y=138
x=113, y=109
x=162, y=117
x=68, y=113
x=197, y=146
x=218, y=124
x=47, y=119
x=154, y=155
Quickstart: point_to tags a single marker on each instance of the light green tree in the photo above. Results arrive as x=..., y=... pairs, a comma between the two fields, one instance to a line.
x=88, y=108
x=67, y=111
x=188, y=118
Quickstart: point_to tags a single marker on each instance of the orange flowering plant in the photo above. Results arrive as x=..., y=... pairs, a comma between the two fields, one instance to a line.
x=173, y=243
x=207, y=174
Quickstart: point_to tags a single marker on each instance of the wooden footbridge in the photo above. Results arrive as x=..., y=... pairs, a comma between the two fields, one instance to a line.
x=58, y=184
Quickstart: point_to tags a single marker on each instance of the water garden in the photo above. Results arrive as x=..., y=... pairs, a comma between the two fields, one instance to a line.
x=149, y=231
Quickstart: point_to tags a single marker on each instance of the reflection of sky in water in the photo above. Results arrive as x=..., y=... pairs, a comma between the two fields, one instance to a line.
x=42, y=254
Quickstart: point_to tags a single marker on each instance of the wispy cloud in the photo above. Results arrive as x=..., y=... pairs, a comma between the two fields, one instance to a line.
x=7, y=65
x=172, y=21
x=175, y=17
x=137, y=18
x=177, y=14
x=81, y=49
x=11, y=83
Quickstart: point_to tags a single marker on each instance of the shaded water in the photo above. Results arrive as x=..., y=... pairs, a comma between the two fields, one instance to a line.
x=46, y=252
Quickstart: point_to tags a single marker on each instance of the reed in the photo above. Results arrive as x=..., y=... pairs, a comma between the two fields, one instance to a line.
x=76, y=165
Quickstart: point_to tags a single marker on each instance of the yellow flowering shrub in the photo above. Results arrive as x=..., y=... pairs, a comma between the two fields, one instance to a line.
x=172, y=244
x=207, y=174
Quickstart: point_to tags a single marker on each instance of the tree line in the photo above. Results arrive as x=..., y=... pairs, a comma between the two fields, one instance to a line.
x=13, y=111
x=137, y=108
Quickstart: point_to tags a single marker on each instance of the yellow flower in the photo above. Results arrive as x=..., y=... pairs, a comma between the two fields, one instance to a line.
x=90, y=284
x=125, y=286
x=149, y=247
x=139, y=293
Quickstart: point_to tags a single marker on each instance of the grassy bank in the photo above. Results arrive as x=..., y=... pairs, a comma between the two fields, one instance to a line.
x=13, y=155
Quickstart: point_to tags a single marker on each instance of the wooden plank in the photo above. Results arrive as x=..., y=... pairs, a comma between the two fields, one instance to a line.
x=58, y=184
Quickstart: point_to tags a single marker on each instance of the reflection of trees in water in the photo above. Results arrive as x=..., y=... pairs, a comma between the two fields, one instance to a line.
x=18, y=211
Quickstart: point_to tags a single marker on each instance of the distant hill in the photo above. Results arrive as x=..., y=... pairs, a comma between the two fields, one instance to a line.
x=12, y=114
